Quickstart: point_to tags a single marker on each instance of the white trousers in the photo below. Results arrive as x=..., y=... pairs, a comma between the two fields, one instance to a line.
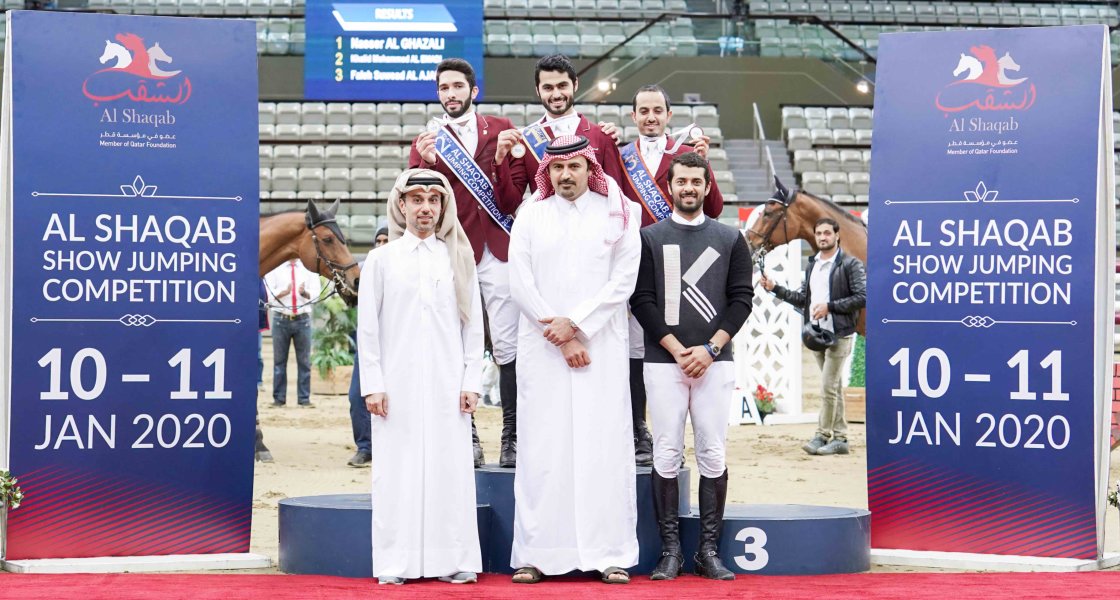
x=503, y=314
x=637, y=338
x=672, y=396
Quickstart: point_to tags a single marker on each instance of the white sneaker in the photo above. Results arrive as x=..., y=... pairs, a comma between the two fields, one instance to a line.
x=461, y=577
x=390, y=581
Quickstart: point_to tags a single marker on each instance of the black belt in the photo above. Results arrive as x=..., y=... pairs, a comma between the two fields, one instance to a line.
x=295, y=317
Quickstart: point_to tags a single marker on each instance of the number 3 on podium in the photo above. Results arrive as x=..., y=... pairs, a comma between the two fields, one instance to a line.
x=756, y=546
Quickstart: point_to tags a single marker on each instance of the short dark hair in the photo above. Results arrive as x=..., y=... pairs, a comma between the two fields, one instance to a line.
x=653, y=87
x=691, y=159
x=458, y=65
x=827, y=221
x=554, y=62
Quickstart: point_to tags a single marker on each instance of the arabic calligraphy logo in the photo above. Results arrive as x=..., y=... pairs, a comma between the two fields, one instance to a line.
x=984, y=84
x=136, y=75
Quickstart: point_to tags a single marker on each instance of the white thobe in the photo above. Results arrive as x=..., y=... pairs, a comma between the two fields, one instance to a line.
x=574, y=488
x=414, y=347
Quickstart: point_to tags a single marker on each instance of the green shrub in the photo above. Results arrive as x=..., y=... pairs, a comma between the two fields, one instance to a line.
x=859, y=363
x=331, y=345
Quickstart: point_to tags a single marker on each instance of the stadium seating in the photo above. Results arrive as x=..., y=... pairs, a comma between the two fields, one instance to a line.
x=281, y=28
x=354, y=151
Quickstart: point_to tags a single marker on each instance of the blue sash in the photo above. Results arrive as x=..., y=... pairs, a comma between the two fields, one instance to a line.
x=536, y=139
x=653, y=200
x=456, y=157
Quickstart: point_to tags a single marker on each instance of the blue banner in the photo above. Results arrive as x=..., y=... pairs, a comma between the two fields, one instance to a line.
x=134, y=262
x=537, y=138
x=456, y=157
x=981, y=293
x=653, y=199
x=387, y=51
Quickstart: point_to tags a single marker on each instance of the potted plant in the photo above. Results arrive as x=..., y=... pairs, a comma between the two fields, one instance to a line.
x=332, y=353
x=855, y=395
x=10, y=498
x=1114, y=496
x=764, y=400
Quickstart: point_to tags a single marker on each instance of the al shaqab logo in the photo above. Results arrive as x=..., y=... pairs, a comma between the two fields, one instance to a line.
x=984, y=84
x=136, y=75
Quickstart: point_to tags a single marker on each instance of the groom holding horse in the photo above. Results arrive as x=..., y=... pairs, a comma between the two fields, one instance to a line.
x=833, y=296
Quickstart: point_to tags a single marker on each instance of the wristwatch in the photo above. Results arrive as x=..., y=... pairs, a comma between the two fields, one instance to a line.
x=713, y=349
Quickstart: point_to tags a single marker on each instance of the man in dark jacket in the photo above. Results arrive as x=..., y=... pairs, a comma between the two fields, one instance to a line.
x=834, y=292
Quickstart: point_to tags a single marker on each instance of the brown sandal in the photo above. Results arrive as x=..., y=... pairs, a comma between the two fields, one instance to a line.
x=534, y=574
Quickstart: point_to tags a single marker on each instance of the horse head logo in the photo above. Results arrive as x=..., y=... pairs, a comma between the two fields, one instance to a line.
x=982, y=67
x=133, y=57
x=155, y=53
x=146, y=81
x=983, y=83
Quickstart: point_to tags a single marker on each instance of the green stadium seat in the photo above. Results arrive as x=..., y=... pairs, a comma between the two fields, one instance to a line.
x=828, y=160
x=947, y=14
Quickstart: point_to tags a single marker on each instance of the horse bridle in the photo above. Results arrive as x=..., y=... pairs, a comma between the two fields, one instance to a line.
x=765, y=245
x=338, y=271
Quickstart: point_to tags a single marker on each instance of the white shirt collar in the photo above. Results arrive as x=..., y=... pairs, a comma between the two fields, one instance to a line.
x=683, y=221
x=549, y=119
x=411, y=242
x=466, y=119
x=648, y=144
x=582, y=202
x=822, y=261
x=565, y=125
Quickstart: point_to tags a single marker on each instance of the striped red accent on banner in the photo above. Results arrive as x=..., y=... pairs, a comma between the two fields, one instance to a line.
x=918, y=507
x=69, y=513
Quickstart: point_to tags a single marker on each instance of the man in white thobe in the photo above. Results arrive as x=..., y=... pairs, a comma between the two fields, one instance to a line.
x=573, y=263
x=420, y=345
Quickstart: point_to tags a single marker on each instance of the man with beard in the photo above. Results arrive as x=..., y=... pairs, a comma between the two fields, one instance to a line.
x=835, y=291
x=556, y=87
x=693, y=295
x=573, y=259
x=420, y=350
x=473, y=152
x=652, y=153
x=646, y=163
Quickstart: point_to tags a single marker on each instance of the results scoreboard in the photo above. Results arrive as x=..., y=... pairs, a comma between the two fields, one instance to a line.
x=387, y=51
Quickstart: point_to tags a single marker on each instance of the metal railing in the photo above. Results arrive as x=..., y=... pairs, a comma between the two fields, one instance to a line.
x=764, y=155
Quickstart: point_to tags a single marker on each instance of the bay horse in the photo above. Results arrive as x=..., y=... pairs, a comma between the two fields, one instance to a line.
x=312, y=236
x=791, y=216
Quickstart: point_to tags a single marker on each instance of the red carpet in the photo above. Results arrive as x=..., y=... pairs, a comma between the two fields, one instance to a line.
x=954, y=586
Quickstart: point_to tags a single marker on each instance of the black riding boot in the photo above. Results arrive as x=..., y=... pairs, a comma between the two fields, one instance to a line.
x=713, y=496
x=260, y=451
x=479, y=457
x=507, y=386
x=666, y=496
x=643, y=441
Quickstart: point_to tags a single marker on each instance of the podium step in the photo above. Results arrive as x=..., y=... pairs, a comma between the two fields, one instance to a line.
x=330, y=534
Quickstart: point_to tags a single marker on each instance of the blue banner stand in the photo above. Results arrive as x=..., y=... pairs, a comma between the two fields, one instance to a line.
x=145, y=150
x=935, y=132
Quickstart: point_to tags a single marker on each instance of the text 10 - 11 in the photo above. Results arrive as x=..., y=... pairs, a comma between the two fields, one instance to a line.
x=84, y=389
